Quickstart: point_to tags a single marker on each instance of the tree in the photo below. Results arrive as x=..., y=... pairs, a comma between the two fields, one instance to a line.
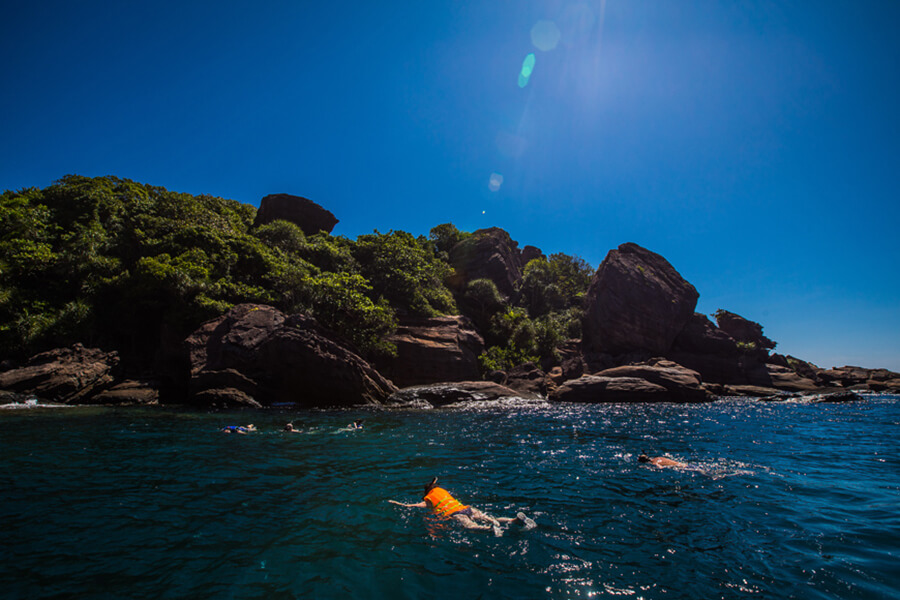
x=403, y=273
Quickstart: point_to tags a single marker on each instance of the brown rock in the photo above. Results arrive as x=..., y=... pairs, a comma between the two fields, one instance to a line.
x=743, y=330
x=528, y=378
x=592, y=388
x=785, y=378
x=279, y=359
x=636, y=301
x=433, y=350
x=304, y=213
x=488, y=254
x=129, y=392
x=68, y=375
x=682, y=385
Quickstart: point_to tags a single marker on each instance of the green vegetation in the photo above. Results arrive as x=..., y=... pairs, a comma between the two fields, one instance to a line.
x=122, y=265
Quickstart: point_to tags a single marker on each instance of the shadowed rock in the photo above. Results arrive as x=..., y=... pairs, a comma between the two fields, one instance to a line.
x=271, y=358
x=743, y=330
x=636, y=302
x=433, y=350
x=488, y=254
x=306, y=214
x=129, y=393
x=67, y=375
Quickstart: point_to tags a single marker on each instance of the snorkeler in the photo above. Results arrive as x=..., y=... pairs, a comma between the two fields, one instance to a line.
x=660, y=461
x=445, y=506
x=289, y=428
x=239, y=429
x=357, y=424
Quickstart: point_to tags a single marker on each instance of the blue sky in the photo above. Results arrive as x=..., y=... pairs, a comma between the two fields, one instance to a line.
x=756, y=145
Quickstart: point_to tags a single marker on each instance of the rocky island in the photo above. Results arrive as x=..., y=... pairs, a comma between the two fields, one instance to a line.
x=115, y=292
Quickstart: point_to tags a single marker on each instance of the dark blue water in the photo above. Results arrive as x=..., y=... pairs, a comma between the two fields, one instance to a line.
x=781, y=501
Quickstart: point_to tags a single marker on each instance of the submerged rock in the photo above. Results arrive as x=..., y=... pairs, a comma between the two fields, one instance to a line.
x=255, y=354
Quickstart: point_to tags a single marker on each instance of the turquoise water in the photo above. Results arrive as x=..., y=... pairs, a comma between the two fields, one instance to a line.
x=781, y=501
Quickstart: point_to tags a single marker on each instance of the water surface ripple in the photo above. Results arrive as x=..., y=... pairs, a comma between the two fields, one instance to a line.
x=786, y=500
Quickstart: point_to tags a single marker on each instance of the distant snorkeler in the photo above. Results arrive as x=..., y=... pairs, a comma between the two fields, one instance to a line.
x=660, y=461
x=441, y=503
x=357, y=424
x=239, y=429
x=289, y=428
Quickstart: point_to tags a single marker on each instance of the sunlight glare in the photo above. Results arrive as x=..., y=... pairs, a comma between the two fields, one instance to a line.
x=495, y=182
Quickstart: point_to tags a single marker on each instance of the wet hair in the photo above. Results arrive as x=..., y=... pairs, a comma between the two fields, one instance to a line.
x=431, y=485
x=643, y=458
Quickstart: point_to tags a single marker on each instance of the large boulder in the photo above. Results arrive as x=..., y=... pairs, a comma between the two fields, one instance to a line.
x=593, y=388
x=681, y=384
x=254, y=354
x=304, y=213
x=432, y=350
x=67, y=375
x=488, y=254
x=636, y=302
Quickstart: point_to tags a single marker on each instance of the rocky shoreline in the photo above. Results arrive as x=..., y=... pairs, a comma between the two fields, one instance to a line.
x=256, y=356
x=641, y=341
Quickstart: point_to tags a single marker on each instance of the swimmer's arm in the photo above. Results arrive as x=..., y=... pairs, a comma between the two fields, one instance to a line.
x=416, y=505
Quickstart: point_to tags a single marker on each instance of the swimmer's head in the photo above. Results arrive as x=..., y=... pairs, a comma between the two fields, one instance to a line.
x=643, y=458
x=430, y=486
x=289, y=427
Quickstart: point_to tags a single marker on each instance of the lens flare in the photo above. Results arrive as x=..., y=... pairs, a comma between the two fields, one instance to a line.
x=495, y=182
x=527, y=70
x=545, y=35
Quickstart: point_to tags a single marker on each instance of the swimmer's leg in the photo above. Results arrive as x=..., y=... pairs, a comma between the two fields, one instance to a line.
x=480, y=516
x=468, y=523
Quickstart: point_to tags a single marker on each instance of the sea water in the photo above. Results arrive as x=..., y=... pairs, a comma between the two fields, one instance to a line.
x=780, y=500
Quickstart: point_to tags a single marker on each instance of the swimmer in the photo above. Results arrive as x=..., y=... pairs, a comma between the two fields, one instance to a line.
x=445, y=506
x=357, y=424
x=289, y=428
x=660, y=461
x=239, y=429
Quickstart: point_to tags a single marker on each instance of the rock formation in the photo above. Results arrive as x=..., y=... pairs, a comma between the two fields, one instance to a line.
x=593, y=388
x=304, y=213
x=432, y=350
x=636, y=301
x=489, y=254
x=681, y=384
x=254, y=354
x=67, y=375
x=438, y=395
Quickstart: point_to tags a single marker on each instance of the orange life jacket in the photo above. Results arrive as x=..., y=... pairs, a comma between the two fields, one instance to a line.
x=442, y=503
